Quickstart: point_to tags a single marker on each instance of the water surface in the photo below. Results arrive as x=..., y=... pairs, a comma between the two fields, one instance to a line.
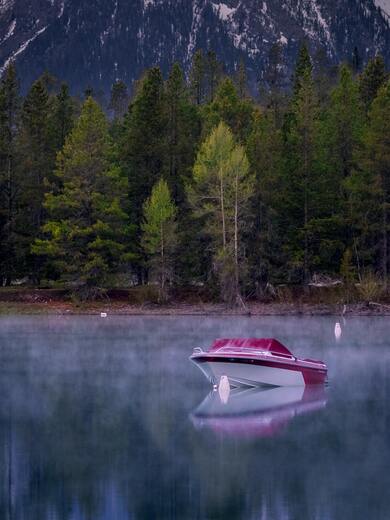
x=107, y=419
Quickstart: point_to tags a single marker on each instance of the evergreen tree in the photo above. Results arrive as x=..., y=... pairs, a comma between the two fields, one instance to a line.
x=274, y=83
x=371, y=80
x=213, y=74
x=144, y=146
x=62, y=117
x=228, y=107
x=86, y=230
x=299, y=183
x=369, y=188
x=344, y=124
x=197, y=78
x=9, y=183
x=36, y=165
x=219, y=194
x=356, y=61
x=182, y=133
x=159, y=235
x=119, y=99
x=303, y=69
x=241, y=80
x=265, y=150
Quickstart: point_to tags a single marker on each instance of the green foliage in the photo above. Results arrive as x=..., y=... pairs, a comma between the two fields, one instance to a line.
x=229, y=107
x=219, y=194
x=87, y=228
x=143, y=146
x=119, y=99
x=159, y=234
x=372, y=78
x=276, y=194
x=9, y=180
x=370, y=287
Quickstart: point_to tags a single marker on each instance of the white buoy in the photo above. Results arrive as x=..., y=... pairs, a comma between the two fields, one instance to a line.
x=103, y=315
x=224, y=389
x=337, y=331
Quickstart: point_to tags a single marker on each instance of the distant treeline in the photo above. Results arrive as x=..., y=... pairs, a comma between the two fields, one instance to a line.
x=193, y=181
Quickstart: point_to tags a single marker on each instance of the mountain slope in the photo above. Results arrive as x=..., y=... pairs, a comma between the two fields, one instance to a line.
x=94, y=42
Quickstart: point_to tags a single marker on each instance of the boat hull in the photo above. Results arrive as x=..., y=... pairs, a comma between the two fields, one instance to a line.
x=250, y=372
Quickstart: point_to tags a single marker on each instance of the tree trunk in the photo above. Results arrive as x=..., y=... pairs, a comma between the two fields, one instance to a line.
x=236, y=239
x=223, y=211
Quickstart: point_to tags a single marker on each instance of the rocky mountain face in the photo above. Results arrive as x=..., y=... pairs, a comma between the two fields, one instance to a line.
x=95, y=42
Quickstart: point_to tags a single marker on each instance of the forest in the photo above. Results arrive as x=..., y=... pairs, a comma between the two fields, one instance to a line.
x=196, y=181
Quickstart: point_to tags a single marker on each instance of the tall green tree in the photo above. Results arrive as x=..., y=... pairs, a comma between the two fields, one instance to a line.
x=159, y=238
x=213, y=74
x=144, y=144
x=371, y=80
x=9, y=183
x=299, y=183
x=219, y=194
x=37, y=158
x=241, y=80
x=198, y=78
x=87, y=229
x=62, y=117
x=266, y=154
x=303, y=69
x=228, y=107
x=274, y=82
x=369, y=188
x=182, y=133
x=119, y=100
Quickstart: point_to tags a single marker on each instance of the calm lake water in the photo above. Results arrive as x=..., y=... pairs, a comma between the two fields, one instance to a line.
x=108, y=419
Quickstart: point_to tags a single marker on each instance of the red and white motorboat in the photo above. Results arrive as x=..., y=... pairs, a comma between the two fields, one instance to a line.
x=257, y=362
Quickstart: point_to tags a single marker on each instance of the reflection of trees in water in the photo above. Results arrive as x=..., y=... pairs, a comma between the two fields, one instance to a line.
x=90, y=426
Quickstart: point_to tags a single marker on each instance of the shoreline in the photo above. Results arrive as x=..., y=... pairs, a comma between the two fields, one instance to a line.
x=254, y=309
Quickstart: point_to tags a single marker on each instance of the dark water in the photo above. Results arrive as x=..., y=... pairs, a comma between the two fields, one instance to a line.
x=102, y=419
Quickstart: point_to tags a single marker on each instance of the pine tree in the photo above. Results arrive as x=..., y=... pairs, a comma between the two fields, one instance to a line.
x=182, y=133
x=241, y=80
x=86, y=231
x=61, y=117
x=356, y=61
x=274, y=83
x=228, y=107
x=159, y=235
x=119, y=99
x=213, y=74
x=36, y=165
x=303, y=69
x=197, y=78
x=371, y=80
x=344, y=121
x=144, y=146
x=265, y=150
x=369, y=188
x=9, y=183
x=220, y=194
x=299, y=182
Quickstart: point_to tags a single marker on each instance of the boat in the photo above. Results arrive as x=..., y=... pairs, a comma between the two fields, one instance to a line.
x=257, y=412
x=257, y=362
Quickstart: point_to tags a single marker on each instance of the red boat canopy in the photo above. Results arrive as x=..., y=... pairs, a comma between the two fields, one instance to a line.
x=265, y=344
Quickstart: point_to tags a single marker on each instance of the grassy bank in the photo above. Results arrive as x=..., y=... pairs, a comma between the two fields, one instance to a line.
x=142, y=301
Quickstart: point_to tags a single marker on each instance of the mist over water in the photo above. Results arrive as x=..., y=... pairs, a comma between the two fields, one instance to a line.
x=106, y=419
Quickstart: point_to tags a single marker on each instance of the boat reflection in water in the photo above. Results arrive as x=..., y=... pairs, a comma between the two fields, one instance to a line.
x=256, y=412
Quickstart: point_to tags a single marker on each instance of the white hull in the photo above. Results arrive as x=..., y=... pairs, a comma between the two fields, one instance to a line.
x=243, y=374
